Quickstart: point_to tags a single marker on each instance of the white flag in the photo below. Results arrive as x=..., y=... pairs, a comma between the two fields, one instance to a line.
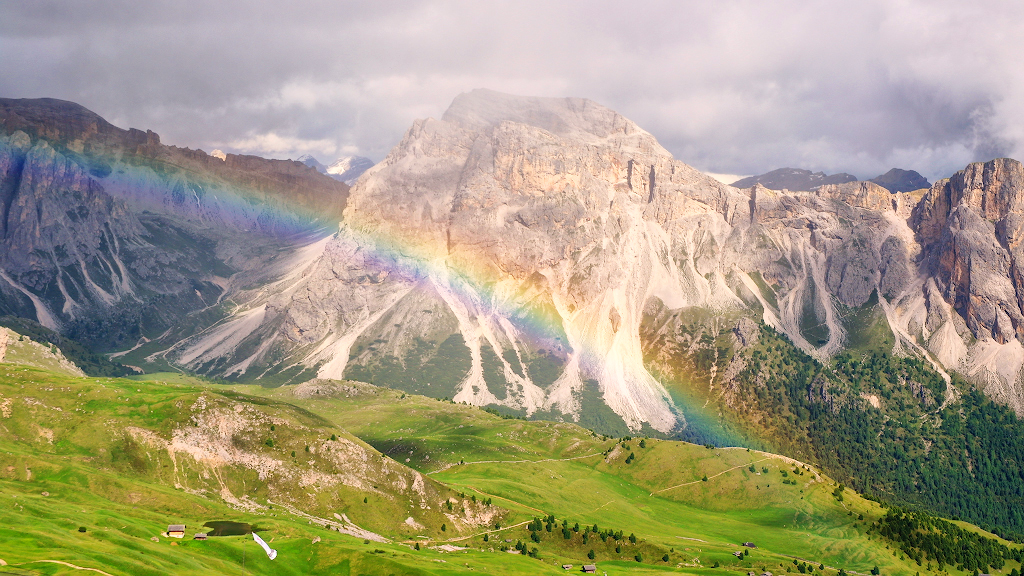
x=270, y=551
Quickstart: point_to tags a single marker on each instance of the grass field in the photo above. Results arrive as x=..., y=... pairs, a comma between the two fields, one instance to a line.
x=66, y=463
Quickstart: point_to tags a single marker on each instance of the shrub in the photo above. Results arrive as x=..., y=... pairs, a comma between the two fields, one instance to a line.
x=81, y=529
x=664, y=558
x=591, y=555
x=444, y=528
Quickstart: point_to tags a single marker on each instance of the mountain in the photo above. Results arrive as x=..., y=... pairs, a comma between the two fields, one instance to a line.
x=525, y=252
x=794, y=179
x=897, y=180
x=346, y=169
x=548, y=259
x=109, y=236
x=312, y=162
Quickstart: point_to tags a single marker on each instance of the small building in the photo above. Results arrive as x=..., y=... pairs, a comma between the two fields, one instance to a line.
x=199, y=536
x=749, y=545
x=766, y=574
x=751, y=574
x=566, y=566
x=738, y=554
x=176, y=531
x=590, y=568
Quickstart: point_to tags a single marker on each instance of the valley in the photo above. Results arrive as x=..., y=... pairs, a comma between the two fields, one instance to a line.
x=123, y=458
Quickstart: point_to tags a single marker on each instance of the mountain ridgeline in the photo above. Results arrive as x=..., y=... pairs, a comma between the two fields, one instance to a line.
x=549, y=259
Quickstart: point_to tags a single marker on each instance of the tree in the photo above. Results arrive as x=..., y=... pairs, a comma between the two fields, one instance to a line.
x=591, y=555
x=643, y=443
x=639, y=557
x=417, y=546
x=664, y=558
x=487, y=537
x=632, y=538
x=444, y=528
x=875, y=571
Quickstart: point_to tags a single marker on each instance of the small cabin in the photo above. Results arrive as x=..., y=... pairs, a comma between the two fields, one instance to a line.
x=176, y=531
x=738, y=554
x=566, y=566
x=590, y=568
x=749, y=545
x=199, y=536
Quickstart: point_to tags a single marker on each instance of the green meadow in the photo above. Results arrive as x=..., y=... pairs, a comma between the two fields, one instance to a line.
x=556, y=491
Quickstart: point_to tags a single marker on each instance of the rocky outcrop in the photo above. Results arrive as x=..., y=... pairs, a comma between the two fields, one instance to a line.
x=107, y=235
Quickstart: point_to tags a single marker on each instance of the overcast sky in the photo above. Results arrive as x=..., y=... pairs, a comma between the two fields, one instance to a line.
x=738, y=87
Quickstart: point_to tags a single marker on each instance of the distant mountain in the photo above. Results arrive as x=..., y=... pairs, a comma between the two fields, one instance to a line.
x=794, y=179
x=346, y=169
x=349, y=168
x=313, y=163
x=897, y=180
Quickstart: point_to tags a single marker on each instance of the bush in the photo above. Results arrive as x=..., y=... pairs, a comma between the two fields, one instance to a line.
x=270, y=442
x=639, y=557
x=444, y=528
x=664, y=558
x=81, y=529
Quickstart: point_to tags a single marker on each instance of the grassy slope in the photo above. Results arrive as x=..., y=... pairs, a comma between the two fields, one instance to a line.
x=734, y=505
x=559, y=469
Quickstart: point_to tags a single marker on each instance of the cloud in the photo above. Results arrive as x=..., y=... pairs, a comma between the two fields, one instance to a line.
x=736, y=86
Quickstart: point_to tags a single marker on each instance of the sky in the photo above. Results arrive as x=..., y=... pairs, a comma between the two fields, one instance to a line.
x=730, y=86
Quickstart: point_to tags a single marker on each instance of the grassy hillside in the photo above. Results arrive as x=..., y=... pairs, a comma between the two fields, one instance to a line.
x=660, y=495
x=122, y=459
x=887, y=425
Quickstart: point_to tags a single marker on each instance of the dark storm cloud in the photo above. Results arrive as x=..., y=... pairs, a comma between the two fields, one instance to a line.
x=735, y=87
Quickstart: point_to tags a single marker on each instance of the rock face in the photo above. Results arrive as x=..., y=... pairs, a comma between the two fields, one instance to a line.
x=543, y=256
x=107, y=234
x=794, y=179
x=897, y=180
x=522, y=243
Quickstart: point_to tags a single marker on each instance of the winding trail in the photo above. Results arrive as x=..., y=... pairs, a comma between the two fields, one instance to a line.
x=478, y=491
x=448, y=466
x=69, y=565
x=710, y=477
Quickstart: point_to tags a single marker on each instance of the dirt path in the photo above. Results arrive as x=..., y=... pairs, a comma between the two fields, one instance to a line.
x=710, y=477
x=478, y=491
x=69, y=565
x=447, y=466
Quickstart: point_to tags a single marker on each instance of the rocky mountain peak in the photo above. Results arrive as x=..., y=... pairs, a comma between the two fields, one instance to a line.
x=579, y=118
x=898, y=180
